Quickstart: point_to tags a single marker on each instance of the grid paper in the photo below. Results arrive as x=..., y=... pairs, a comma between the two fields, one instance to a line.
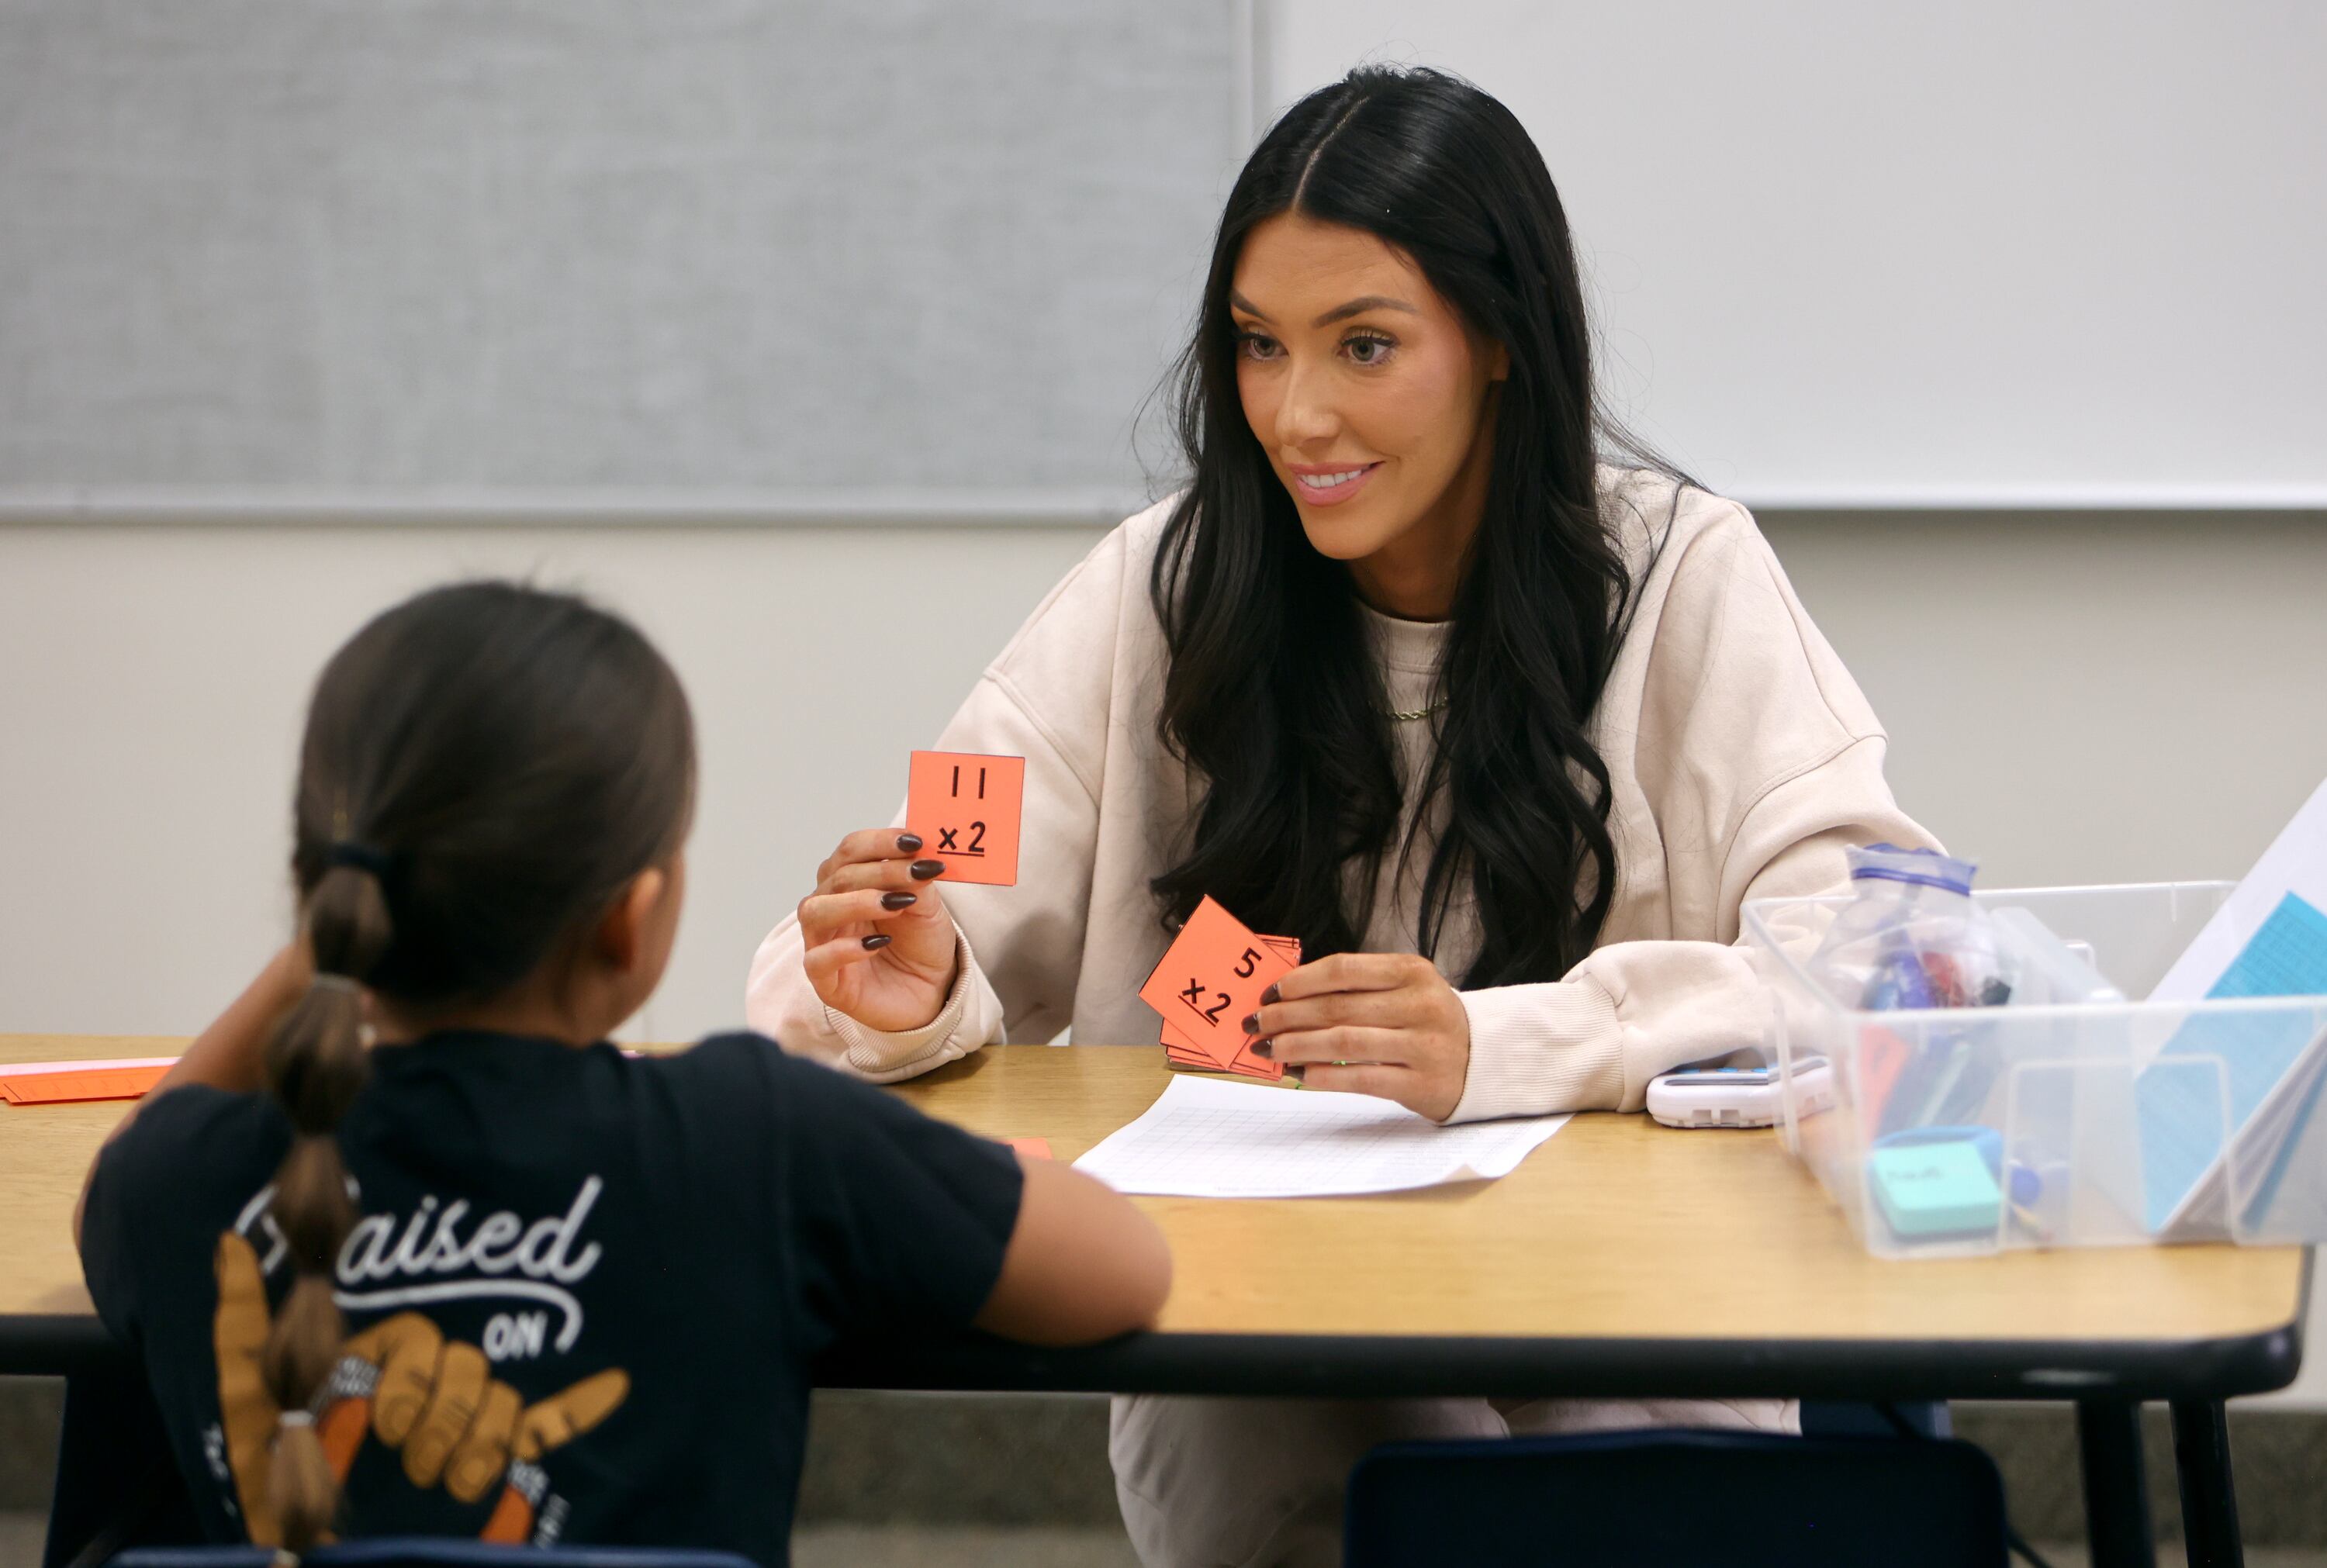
x=1204, y=1138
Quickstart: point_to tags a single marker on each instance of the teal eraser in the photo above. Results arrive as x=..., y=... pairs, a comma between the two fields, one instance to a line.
x=1936, y=1188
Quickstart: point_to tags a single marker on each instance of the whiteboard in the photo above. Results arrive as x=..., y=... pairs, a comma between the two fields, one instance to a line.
x=1984, y=253
x=713, y=254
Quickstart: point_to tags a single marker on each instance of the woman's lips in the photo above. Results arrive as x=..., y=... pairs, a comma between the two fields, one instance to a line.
x=1330, y=484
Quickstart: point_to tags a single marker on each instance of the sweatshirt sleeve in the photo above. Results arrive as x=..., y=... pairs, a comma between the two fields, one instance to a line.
x=1592, y=1041
x=1048, y=699
x=1761, y=763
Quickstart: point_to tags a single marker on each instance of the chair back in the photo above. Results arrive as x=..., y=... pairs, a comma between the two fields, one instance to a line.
x=431, y=1552
x=1678, y=1499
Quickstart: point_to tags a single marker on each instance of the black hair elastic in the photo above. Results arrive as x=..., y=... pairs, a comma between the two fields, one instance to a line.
x=363, y=856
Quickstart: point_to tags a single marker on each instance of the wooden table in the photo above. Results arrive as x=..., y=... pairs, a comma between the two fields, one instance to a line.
x=1621, y=1258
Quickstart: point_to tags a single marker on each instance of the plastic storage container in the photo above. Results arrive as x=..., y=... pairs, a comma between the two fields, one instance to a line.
x=2071, y=1118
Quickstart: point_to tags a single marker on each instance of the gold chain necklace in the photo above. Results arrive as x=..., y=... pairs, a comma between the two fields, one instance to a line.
x=1417, y=713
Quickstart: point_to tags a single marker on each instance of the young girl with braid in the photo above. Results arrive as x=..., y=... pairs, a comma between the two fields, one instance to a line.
x=407, y=1248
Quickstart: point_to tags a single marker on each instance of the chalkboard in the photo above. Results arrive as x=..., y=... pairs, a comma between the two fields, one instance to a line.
x=677, y=247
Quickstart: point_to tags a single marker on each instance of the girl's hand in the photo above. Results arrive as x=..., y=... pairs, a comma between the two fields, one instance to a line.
x=880, y=946
x=1371, y=1023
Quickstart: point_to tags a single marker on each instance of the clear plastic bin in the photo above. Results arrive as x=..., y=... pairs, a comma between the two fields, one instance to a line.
x=2096, y=1122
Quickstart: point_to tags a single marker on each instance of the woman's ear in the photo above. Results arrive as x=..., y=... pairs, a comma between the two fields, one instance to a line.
x=621, y=940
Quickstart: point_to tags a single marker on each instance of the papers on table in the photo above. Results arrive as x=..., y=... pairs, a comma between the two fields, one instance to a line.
x=2269, y=939
x=1210, y=1138
x=2294, y=866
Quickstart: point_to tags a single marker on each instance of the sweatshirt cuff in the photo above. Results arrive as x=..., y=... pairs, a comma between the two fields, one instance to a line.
x=884, y=1057
x=1542, y=1049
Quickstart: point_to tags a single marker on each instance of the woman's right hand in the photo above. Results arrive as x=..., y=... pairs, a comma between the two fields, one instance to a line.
x=880, y=946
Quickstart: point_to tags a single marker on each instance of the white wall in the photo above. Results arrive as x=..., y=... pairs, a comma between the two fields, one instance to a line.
x=2081, y=697
x=155, y=681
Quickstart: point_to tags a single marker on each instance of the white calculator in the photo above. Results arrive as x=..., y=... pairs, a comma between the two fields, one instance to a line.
x=1736, y=1096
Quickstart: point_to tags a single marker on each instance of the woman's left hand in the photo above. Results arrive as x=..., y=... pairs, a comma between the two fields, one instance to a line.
x=1371, y=1023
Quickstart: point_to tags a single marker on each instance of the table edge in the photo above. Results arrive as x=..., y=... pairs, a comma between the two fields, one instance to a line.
x=1420, y=1366
x=1445, y=1366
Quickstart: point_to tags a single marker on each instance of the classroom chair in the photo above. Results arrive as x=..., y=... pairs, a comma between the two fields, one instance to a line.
x=1679, y=1500
x=418, y=1552
x=1888, y=1418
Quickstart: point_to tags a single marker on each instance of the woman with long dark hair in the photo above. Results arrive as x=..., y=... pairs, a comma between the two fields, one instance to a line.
x=1428, y=667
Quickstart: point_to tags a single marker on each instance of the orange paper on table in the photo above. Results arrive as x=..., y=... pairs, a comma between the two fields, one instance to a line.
x=1211, y=979
x=965, y=808
x=87, y=1083
x=1032, y=1148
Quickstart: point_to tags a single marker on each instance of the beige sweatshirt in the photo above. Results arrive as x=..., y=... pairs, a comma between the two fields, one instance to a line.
x=1741, y=755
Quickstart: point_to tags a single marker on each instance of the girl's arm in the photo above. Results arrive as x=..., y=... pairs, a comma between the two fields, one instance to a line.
x=227, y=1054
x=1083, y=1264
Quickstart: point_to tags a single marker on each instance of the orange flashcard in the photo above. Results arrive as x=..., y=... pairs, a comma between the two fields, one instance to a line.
x=965, y=808
x=1177, y=1045
x=1211, y=979
x=1180, y=1047
x=1254, y=1065
x=1032, y=1148
x=89, y=1083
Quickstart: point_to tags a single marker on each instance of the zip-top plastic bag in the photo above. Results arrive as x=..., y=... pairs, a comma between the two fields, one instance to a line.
x=1911, y=936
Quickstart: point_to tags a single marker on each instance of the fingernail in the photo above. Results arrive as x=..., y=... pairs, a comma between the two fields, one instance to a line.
x=922, y=870
x=1270, y=998
x=1266, y=1050
x=899, y=901
x=1252, y=1023
x=876, y=941
x=908, y=842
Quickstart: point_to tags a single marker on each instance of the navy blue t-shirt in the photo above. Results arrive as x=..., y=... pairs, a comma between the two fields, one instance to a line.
x=584, y=1293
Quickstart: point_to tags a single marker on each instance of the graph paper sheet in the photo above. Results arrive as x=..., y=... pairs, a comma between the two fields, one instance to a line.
x=1203, y=1138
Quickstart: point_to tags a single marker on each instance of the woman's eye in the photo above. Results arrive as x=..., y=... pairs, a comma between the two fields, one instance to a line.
x=1367, y=348
x=1255, y=346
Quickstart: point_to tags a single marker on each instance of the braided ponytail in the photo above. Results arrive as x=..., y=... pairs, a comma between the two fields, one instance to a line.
x=314, y=1068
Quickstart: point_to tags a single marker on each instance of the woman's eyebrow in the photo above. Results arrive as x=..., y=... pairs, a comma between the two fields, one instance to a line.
x=1356, y=307
x=1359, y=306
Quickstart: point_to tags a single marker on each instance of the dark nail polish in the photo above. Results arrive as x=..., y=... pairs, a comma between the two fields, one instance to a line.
x=908, y=842
x=922, y=870
x=876, y=941
x=1266, y=1050
x=1270, y=998
x=1252, y=1023
x=899, y=901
